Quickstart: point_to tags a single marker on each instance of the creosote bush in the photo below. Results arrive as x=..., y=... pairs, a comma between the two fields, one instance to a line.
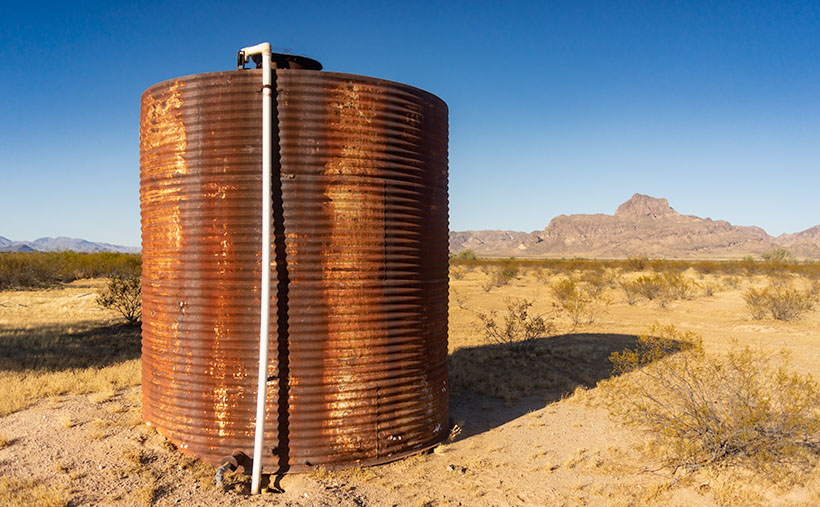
x=660, y=287
x=465, y=255
x=781, y=302
x=123, y=293
x=573, y=300
x=743, y=408
x=502, y=275
x=778, y=255
x=517, y=327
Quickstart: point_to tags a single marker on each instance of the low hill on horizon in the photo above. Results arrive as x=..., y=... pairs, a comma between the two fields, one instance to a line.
x=641, y=226
x=61, y=244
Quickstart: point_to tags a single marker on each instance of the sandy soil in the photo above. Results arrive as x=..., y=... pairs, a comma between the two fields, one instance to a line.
x=554, y=446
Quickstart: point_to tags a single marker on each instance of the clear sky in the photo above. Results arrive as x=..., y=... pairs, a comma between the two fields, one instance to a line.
x=555, y=107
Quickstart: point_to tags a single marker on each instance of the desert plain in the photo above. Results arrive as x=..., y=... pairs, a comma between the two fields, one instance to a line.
x=531, y=425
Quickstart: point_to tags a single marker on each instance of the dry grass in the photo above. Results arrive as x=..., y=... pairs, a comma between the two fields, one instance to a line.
x=22, y=389
x=57, y=342
x=33, y=492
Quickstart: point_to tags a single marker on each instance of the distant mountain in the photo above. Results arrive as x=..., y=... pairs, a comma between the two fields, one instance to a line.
x=642, y=226
x=61, y=244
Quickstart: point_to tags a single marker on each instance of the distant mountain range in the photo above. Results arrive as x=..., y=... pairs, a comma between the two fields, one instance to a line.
x=60, y=244
x=642, y=226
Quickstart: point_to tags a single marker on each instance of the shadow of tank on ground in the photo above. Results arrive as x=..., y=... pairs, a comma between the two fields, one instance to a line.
x=494, y=384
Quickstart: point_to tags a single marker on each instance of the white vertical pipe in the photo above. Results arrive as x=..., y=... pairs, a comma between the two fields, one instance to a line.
x=264, y=322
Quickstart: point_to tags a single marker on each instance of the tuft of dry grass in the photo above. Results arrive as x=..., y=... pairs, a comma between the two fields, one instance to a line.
x=147, y=495
x=5, y=441
x=22, y=389
x=33, y=492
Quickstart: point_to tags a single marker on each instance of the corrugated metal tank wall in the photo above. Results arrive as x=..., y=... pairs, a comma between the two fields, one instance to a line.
x=358, y=371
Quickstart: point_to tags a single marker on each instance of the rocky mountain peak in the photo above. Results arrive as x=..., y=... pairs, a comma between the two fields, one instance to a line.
x=644, y=206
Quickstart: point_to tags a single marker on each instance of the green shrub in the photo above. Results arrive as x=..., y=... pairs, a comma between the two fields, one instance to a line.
x=46, y=269
x=465, y=255
x=778, y=255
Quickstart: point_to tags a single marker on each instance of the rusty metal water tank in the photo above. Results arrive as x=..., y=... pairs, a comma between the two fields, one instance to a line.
x=358, y=370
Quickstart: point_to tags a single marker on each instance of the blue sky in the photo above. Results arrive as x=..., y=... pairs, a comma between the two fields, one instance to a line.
x=555, y=107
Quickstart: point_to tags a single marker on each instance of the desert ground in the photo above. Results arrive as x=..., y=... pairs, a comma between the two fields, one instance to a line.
x=532, y=426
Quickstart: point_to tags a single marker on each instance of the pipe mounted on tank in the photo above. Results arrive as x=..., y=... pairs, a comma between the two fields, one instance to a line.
x=243, y=55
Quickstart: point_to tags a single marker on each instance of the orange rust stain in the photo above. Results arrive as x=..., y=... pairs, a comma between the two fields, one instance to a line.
x=355, y=210
x=163, y=144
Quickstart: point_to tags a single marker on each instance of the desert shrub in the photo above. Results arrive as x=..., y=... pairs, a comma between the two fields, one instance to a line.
x=636, y=263
x=709, y=289
x=123, y=293
x=756, y=303
x=731, y=281
x=543, y=275
x=738, y=409
x=779, y=255
x=45, y=269
x=679, y=287
x=575, y=301
x=467, y=255
x=517, y=327
x=782, y=303
x=502, y=275
x=660, y=287
x=598, y=279
x=668, y=266
x=630, y=291
x=457, y=272
x=651, y=287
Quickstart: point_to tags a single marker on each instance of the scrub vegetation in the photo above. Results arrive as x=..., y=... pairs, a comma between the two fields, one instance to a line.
x=554, y=376
x=48, y=269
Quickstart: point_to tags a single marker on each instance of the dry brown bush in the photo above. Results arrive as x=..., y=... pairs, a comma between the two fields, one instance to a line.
x=517, y=327
x=739, y=409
